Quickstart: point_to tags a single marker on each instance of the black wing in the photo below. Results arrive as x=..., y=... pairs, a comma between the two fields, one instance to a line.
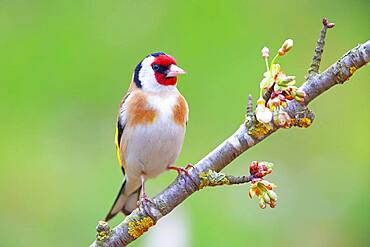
x=121, y=123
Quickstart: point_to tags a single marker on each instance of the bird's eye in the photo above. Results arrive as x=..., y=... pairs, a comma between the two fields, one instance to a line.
x=155, y=67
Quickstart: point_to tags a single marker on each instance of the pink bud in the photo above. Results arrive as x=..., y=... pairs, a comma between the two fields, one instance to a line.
x=327, y=24
x=330, y=25
x=265, y=52
x=324, y=21
x=253, y=168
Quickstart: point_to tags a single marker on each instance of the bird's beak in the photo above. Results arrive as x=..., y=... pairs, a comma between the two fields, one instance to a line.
x=174, y=71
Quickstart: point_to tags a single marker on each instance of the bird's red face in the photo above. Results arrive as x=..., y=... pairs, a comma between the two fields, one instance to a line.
x=166, y=70
x=157, y=71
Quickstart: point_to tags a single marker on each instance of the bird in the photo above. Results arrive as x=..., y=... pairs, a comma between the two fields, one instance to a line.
x=150, y=129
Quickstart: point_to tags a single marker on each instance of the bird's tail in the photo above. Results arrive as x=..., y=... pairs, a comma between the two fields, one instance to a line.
x=125, y=202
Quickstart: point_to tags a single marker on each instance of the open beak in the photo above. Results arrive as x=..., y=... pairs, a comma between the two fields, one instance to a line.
x=174, y=71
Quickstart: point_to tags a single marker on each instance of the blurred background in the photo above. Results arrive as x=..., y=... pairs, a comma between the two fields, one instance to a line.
x=65, y=65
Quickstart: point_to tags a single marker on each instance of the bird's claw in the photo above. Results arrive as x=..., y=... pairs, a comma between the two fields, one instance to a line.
x=188, y=166
x=181, y=170
x=184, y=172
x=144, y=200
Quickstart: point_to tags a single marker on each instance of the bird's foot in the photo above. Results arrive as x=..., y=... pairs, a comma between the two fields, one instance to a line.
x=146, y=204
x=181, y=170
x=189, y=166
x=184, y=172
x=144, y=200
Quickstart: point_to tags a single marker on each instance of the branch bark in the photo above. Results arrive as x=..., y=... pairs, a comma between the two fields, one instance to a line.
x=141, y=219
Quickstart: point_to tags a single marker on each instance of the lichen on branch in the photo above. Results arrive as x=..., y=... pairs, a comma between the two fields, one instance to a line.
x=136, y=227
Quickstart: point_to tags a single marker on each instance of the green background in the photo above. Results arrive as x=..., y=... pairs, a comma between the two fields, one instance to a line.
x=64, y=66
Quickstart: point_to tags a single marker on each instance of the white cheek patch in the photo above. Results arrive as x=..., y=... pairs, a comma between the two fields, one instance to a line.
x=146, y=74
x=148, y=81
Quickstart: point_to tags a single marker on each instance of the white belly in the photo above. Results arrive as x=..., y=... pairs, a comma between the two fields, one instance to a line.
x=152, y=148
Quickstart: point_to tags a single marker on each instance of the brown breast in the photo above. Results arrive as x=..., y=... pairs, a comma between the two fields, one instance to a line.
x=139, y=111
x=180, y=111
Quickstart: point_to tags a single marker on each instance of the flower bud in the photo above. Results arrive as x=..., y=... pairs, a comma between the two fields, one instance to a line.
x=288, y=44
x=299, y=99
x=328, y=25
x=266, y=197
x=267, y=184
x=263, y=114
x=300, y=93
x=262, y=203
x=272, y=195
x=265, y=52
x=253, y=167
x=251, y=193
x=263, y=189
x=281, y=52
x=269, y=164
x=286, y=80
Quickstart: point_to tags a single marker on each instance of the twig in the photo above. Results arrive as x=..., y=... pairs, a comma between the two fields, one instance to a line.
x=140, y=220
x=315, y=66
x=250, y=119
x=250, y=106
x=212, y=178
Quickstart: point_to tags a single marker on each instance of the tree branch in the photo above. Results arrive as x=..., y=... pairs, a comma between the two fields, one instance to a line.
x=248, y=135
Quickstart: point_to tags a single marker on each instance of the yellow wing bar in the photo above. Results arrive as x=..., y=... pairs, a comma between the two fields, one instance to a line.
x=117, y=147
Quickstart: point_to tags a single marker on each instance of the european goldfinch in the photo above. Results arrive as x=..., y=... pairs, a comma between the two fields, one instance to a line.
x=150, y=128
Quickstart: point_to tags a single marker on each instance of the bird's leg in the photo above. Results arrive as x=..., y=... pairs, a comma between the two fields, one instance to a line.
x=145, y=203
x=144, y=198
